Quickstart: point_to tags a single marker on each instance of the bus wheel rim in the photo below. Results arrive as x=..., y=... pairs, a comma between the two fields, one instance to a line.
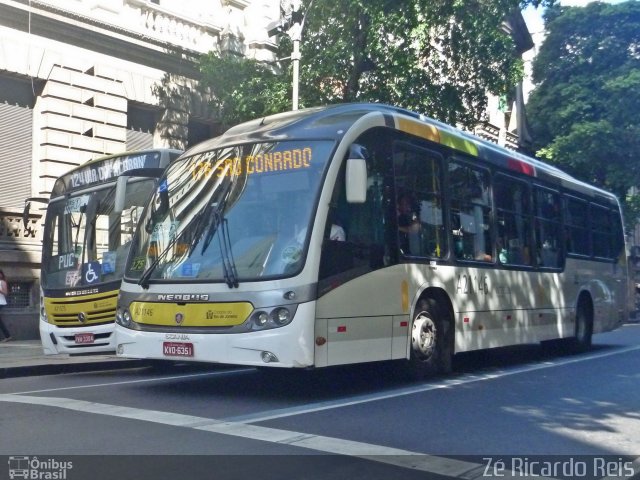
x=424, y=336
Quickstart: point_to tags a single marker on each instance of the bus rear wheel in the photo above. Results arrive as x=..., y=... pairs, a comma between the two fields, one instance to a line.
x=584, y=325
x=431, y=352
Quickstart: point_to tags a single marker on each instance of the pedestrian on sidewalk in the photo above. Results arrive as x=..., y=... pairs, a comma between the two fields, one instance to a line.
x=4, y=293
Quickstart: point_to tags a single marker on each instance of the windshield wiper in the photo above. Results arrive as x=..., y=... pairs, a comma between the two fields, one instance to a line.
x=146, y=275
x=224, y=240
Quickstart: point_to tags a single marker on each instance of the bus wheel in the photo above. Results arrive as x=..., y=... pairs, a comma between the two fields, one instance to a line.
x=430, y=340
x=584, y=325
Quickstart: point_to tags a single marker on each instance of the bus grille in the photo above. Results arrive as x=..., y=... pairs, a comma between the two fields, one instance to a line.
x=97, y=310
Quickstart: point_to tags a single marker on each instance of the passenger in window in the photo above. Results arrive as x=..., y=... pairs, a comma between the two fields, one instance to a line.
x=408, y=223
x=337, y=233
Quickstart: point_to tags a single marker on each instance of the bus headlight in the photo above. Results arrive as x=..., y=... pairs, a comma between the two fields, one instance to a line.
x=43, y=311
x=271, y=318
x=281, y=316
x=126, y=318
x=261, y=319
x=123, y=317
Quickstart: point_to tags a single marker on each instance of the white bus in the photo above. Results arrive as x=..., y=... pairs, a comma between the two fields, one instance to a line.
x=361, y=233
x=85, y=244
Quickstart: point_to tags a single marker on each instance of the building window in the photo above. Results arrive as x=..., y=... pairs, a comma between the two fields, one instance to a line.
x=19, y=295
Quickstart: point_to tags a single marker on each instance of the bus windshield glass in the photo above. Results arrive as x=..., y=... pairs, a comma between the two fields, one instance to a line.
x=231, y=214
x=85, y=242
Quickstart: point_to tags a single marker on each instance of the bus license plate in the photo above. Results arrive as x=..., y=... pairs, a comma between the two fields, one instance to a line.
x=83, y=338
x=176, y=349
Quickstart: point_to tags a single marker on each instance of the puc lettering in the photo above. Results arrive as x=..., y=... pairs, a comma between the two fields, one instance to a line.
x=66, y=260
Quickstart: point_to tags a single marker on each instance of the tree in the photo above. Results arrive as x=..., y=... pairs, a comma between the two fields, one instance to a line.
x=438, y=57
x=584, y=109
x=243, y=88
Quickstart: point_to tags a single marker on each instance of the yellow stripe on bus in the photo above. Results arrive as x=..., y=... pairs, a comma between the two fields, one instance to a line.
x=191, y=315
x=404, y=289
x=419, y=129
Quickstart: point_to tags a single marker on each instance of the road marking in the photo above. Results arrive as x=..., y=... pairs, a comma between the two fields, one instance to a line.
x=446, y=383
x=143, y=380
x=377, y=453
x=327, y=405
x=331, y=445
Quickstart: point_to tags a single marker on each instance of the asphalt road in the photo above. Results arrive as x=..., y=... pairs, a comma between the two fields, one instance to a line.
x=524, y=405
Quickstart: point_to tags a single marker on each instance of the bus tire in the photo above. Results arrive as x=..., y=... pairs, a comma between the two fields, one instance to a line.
x=584, y=325
x=431, y=349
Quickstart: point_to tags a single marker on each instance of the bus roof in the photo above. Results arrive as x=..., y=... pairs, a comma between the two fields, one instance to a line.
x=334, y=120
x=107, y=168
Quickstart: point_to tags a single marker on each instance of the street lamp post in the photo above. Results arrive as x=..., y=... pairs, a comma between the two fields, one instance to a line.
x=292, y=23
x=295, y=34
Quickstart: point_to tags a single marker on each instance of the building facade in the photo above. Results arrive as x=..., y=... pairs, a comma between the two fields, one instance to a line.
x=77, y=81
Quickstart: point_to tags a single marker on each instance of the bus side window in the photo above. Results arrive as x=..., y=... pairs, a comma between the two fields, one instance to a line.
x=419, y=200
x=576, y=226
x=470, y=212
x=354, y=233
x=513, y=211
x=547, y=230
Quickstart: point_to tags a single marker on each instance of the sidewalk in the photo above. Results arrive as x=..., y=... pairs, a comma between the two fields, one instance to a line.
x=22, y=358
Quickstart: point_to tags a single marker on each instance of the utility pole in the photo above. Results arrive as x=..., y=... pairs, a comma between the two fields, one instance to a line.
x=296, y=35
x=291, y=23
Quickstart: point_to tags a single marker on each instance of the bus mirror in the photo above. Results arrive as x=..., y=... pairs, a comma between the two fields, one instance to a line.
x=27, y=208
x=121, y=193
x=92, y=207
x=356, y=175
x=121, y=184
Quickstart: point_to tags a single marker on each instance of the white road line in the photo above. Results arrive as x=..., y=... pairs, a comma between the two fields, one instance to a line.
x=446, y=383
x=377, y=453
x=144, y=380
x=393, y=456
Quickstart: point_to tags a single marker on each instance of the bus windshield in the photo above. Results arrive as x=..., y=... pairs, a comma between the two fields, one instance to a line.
x=85, y=243
x=231, y=214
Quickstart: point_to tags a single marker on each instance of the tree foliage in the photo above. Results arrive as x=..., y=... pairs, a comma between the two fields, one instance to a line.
x=438, y=57
x=243, y=88
x=584, y=109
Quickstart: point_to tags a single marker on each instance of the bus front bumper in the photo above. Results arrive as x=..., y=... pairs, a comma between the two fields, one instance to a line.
x=291, y=346
x=80, y=340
